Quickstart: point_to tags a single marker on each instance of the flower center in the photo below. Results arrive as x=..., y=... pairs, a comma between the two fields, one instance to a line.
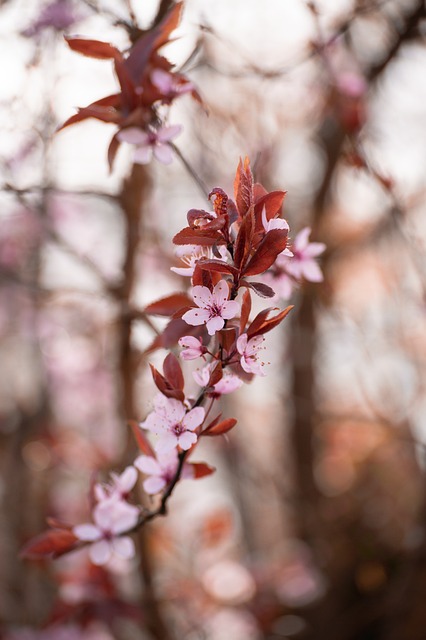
x=178, y=428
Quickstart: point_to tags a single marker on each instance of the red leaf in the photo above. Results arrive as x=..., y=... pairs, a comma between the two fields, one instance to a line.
x=272, y=202
x=217, y=265
x=194, y=215
x=198, y=236
x=52, y=543
x=112, y=151
x=215, y=375
x=222, y=427
x=266, y=253
x=262, y=290
x=169, y=305
x=164, y=386
x=201, y=469
x=173, y=372
x=243, y=187
x=261, y=324
x=245, y=310
x=244, y=240
x=202, y=277
x=140, y=438
x=175, y=329
x=94, y=48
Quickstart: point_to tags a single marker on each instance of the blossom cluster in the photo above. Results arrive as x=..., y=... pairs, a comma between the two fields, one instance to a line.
x=239, y=247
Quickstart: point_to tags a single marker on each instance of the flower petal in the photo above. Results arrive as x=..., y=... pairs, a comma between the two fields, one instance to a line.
x=163, y=153
x=166, y=443
x=194, y=418
x=311, y=271
x=220, y=293
x=230, y=309
x=242, y=343
x=87, y=532
x=124, y=547
x=133, y=135
x=196, y=317
x=167, y=133
x=100, y=552
x=143, y=155
x=202, y=296
x=215, y=324
x=154, y=485
x=148, y=464
x=127, y=480
x=187, y=439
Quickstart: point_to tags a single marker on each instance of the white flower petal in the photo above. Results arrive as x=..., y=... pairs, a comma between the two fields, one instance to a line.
x=196, y=317
x=187, y=439
x=215, y=324
x=167, y=133
x=133, y=135
x=127, y=479
x=100, y=552
x=154, y=485
x=143, y=155
x=194, y=418
x=242, y=343
x=166, y=443
x=87, y=532
x=220, y=293
x=202, y=296
x=230, y=309
x=124, y=547
x=163, y=153
x=148, y=464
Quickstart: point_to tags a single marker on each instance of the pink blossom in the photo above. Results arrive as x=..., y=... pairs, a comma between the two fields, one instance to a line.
x=173, y=423
x=119, y=487
x=161, y=471
x=303, y=265
x=227, y=384
x=249, y=351
x=151, y=143
x=279, y=280
x=190, y=254
x=170, y=85
x=213, y=307
x=192, y=348
x=112, y=518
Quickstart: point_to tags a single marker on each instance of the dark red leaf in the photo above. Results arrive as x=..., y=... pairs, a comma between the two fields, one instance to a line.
x=266, y=253
x=112, y=151
x=215, y=375
x=272, y=202
x=52, y=543
x=169, y=305
x=173, y=372
x=94, y=48
x=198, y=236
x=243, y=187
x=194, y=215
x=245, y=310
x=261, y=324
x=201, y=469
x=262, y=289
x=227, y=338
x=202, y=277
x=217, y=265
x=140, y=438
x=164, y=386
x=244, y=240
x=222, y=427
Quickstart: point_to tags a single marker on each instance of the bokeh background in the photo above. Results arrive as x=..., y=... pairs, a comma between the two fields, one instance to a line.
x=313, y=526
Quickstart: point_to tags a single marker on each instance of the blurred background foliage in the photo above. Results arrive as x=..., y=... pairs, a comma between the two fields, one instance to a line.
x=314, y=524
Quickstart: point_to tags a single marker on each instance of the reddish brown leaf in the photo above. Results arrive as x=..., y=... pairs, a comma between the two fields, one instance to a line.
x=94, y=48
x=173, y=372
x=140, y=438
x=244, y=240
x=272, y=202
x=215, y=375
x=262, y=289
x=194, y=215
x=266, y=253
x=243, y=187
x=261, y=324
x=164, y=386
x=169, y=305
x=217, y=265
x=201, y=469
x=220, y=428
x=174, y=330
x=52, y=543
x=202, y=277
x=245, y=310
x=227, y=338
x=112, y=151
x=198, y=236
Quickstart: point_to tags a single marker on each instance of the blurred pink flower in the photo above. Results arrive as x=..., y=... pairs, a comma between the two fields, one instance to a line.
x=120, y=486
x=161, y=471
x=249, y=351
x=169, y=84
x=192, y=348
x=213, y=307
x=302, y=264
x=59, y=15
x=151, y=143
x=112, y=518
x=190, y=254
x=174, y=425
x=227, y=384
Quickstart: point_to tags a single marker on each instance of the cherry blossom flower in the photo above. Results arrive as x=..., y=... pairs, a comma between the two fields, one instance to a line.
x=120, y=486
x=170, y=85
x=151, y=143
x=190, y=254
x=161, y=471
x=227, y=384
x=213, y=307
x=303, y=265
x=174, y=425
x=192, y=348
x=112, y=518
x=249, y=351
